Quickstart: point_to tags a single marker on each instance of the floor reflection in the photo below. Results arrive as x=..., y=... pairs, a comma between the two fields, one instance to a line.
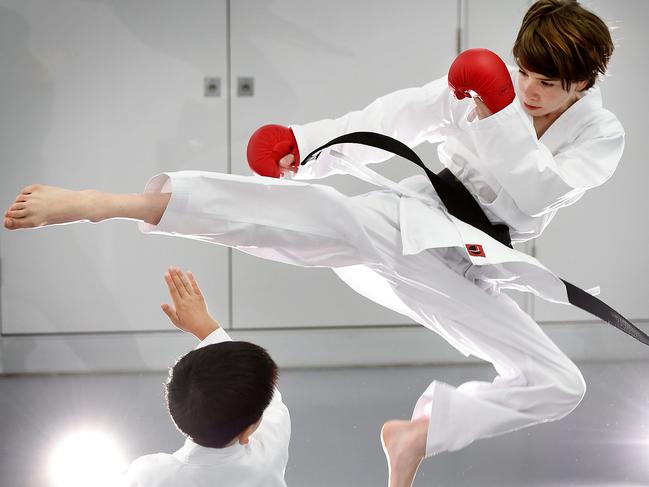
x=337, y=415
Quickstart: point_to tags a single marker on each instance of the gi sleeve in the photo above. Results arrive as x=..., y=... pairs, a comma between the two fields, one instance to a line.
x=411, y=115
x=217, y=336
x=539, y=181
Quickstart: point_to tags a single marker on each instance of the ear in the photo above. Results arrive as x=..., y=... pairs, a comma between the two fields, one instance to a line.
x=244, y=436
x=581, y=85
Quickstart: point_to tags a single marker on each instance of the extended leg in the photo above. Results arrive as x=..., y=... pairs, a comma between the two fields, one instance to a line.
x=39, y=205
x=285, y=221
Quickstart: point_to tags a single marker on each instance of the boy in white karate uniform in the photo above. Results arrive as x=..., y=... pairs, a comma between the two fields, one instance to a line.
x=222, y=396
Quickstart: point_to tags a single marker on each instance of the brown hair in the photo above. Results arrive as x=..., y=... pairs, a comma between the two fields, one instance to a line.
x=562, y=40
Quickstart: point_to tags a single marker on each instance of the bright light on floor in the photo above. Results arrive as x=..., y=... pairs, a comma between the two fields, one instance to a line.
x=85, y=458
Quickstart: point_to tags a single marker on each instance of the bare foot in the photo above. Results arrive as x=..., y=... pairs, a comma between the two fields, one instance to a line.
x=404, y=444
x=38, y=205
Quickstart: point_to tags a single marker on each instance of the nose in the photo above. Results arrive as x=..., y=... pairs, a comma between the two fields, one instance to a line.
x=529, y=89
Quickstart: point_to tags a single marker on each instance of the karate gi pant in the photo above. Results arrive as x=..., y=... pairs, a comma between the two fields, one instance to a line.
x=359, y=238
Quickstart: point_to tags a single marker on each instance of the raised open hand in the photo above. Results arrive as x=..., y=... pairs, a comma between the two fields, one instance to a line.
x=189, y=311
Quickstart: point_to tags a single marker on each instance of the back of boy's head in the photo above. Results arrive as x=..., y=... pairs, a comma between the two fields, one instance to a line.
x=562, y=40
x=215, y=392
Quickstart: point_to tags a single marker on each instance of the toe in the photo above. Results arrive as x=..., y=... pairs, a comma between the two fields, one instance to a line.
x=20, y=223
x=17, y=213
x=18, y=206
x=29, y=189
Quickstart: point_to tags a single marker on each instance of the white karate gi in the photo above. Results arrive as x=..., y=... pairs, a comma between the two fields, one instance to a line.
x=399, y=247
x=260, y=463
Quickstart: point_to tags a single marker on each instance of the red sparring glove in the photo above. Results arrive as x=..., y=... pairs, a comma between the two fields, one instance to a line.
x=267, y=146
x=483, y=72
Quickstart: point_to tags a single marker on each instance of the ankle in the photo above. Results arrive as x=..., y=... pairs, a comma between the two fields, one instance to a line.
x=409, y=438
x=96, y=205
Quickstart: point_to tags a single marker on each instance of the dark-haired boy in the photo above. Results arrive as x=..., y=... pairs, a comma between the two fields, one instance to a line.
x=222, y=397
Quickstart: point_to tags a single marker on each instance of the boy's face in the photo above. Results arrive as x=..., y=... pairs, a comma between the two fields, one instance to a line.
x=542, y=96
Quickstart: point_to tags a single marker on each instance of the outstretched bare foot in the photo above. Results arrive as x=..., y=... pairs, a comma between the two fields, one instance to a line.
x=38, y=205
x=404, y=444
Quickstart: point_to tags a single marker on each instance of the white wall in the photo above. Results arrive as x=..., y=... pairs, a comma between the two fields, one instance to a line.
x=105, y=95
x=602, y=240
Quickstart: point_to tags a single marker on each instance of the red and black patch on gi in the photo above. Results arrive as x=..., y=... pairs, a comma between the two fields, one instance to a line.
x=475, y=250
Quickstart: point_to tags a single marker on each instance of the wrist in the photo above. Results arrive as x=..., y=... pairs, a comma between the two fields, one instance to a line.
x=209, y=326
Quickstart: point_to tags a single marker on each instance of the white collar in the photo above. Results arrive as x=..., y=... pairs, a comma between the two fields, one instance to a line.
x=573, y=117
x=194, y=453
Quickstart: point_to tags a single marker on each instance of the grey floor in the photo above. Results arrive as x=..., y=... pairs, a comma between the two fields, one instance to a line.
x=337, y=415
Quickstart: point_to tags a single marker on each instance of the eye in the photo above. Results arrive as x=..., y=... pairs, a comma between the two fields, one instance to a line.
x=546, y=83
x=521, y=72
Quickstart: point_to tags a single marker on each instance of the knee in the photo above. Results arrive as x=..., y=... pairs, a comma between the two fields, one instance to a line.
x=568, y=389
x=556, y=387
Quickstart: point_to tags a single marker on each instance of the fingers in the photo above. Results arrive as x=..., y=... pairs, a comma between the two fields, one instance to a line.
x=171, y=313
x=182, y=287
x=287, y=161
x=178, y=282
x=171, y=286
x=184, y=281
x=194, y=284
x=481, y=109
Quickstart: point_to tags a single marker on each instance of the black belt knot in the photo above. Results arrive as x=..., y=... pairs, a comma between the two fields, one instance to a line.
x=467, y=212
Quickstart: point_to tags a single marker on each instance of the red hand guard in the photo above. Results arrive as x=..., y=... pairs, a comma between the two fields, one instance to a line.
x=483, y=72
x=267, y=145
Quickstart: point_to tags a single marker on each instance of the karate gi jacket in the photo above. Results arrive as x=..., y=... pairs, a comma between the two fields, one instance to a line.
x=260, y=463
x=517, y=179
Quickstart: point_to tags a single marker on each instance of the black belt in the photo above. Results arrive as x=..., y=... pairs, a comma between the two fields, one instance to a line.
x=461, y=204
x=469, y=214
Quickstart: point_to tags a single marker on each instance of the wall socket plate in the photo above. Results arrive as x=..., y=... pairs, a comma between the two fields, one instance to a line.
x=212, y=87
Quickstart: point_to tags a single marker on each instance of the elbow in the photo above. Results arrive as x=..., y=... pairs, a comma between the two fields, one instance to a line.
x=547, y=203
